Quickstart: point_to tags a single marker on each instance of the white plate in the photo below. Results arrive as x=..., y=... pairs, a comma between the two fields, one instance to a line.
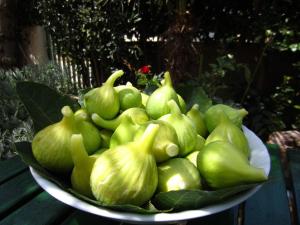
x=259, y=158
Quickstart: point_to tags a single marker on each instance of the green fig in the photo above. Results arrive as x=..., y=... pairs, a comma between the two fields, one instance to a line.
x=222, y=166
x=126, y=174
x=165, y=143
x=185, y=130
x=129, y=96
x=157, y=103
x=96, y=154
x=83, y=113
x=90, y=134
x=105, y=135
x=83, y=164
x=178, y=174
x=212, y=116
x=198, y=120
x=200, y=141
x=181, y=103
x=138, y=116
x=51, y=145
x=227, y=131
x=192, y=157
x=104, y=100
x=124, y=132
x=145, y=98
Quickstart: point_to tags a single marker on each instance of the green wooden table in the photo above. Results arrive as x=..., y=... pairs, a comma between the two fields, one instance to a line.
x=23, y=202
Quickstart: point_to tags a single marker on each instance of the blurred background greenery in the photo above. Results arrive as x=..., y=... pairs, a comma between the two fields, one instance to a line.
x=242, y=53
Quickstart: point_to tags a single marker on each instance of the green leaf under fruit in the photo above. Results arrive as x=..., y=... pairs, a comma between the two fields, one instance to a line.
x=195, y=199
x=162, y=202
x=195, y=95
x=43, y=103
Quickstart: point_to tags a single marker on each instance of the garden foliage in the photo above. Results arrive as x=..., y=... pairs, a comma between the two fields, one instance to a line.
x=119, y=34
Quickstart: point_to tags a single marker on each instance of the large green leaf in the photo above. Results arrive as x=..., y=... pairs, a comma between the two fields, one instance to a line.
x=195, y=95
x=195, y=199
x=161, y=202
x=43, y=103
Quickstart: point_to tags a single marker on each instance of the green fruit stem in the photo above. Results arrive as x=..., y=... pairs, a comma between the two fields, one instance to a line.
x=82, y=116
x=138, y=116
x=78, y=152
x=195, y=107
x=172, y=149
x=243, y=112
x=167, y=79
x=82, y=113
x=148, y=137
x=112, y=78
x=107, y=124
x=174, y=108
x=68, y=116
x=124, y=132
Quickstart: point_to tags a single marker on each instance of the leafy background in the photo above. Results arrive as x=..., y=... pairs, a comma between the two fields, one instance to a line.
x=241, y=53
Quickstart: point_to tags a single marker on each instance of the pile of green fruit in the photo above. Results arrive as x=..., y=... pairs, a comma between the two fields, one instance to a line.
x=124, y=146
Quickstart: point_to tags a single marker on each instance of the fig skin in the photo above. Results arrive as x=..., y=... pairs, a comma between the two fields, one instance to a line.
x=126, y=174
x=192, y=157
x=165, y=144
x=185, y=130
x=105, y=135
x=138, y=116
x=222, y=166
x=198, y=120
x=213, y=115
x=129, y=96
x=124, y=133
x=229, y=132
x=83, y=164
x=104, y=100
x=178, y=174
x=181, y=103
x=145, y=98
x=51, y=145
x=157, y=102
x=91, y=135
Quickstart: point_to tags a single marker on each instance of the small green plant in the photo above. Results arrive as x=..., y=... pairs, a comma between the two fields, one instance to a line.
x=225, y=78
x=232, y=82
x=285, y=102
x=15, y=123
x=146, y=79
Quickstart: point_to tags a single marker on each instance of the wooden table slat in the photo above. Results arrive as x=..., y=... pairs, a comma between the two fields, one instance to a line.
x=227, y=217
x=41, y=210
x=16, y=191
x=10, y=168
x=80, y=217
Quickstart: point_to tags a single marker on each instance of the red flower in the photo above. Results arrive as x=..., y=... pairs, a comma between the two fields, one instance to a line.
x=144, y=69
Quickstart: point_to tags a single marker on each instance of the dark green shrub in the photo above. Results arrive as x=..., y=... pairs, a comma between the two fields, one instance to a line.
x=15, y=123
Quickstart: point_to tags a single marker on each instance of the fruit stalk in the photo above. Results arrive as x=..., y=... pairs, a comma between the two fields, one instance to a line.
x=112, y=78
x=148, y=137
